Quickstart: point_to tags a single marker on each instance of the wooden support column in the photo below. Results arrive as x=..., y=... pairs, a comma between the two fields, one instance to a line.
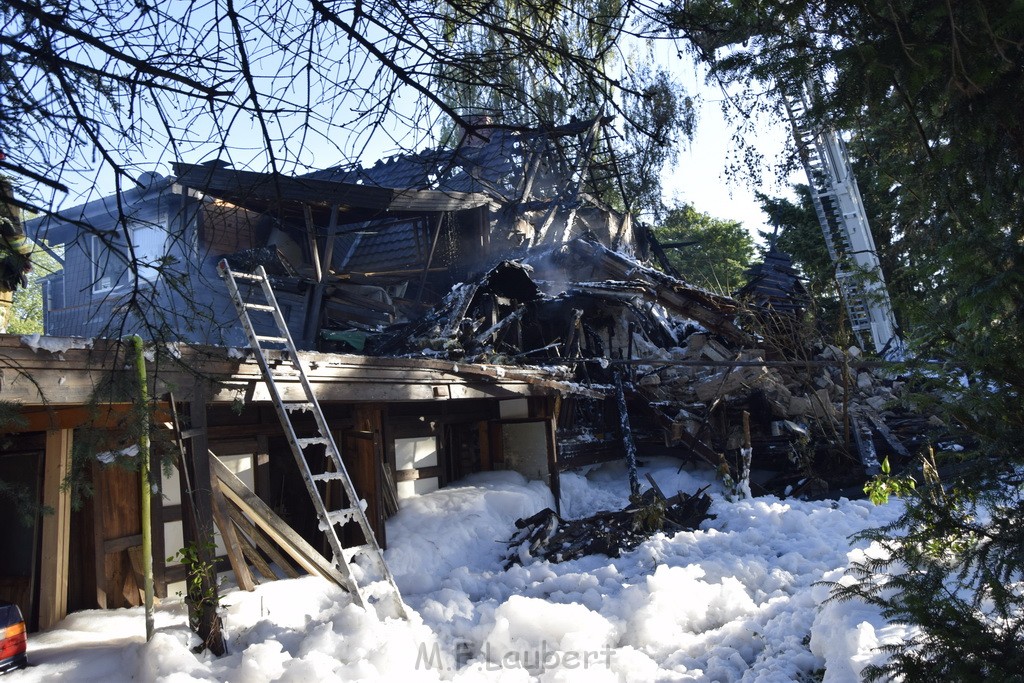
x=53, y=574
x=430, y=256
x=323, y=272
x=363, y=460
x=99, y=535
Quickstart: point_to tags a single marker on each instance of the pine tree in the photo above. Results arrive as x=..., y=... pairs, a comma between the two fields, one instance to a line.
x=924, y=89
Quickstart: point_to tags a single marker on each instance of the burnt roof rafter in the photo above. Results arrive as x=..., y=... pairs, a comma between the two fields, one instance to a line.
x=287, y=195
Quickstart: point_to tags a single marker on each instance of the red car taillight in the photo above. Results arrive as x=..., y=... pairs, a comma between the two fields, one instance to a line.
x=13, y=642
x=13, y=638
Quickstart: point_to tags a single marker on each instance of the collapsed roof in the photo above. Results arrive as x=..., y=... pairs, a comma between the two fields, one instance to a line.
x=415, y=224
x=686, y=369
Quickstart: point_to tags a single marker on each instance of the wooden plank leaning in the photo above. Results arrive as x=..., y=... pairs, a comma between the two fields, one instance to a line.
x=276, y=528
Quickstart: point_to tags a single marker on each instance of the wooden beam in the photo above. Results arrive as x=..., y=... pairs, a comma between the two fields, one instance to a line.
x=430, y=256
x=421, y=473
x=253, y=555
x=276, y=528
x=43, y=378
x=550, y=426
x=53, y=417
x=99, y=533
x=113, y=546
x=197, y=454
x=261, y=540
x=53, y=573
x=228, y=535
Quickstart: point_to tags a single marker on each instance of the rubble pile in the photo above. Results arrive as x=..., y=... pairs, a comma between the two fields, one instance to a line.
x=546, y=536
x=688, y=364
x=824, y=420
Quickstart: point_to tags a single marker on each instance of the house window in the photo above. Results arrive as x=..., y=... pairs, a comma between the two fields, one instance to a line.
x=150, y=247
x=109, y=262
x=109, y=256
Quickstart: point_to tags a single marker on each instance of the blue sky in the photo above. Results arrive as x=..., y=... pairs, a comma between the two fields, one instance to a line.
x=699, y=177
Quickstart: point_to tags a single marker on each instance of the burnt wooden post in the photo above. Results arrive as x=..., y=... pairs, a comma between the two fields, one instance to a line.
x=311, y=329
x=364, y=460
x=552, y=405
x=203, y=616
x=627, y=435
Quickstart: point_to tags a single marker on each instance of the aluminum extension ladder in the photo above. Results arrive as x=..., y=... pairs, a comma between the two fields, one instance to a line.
x=330, y=520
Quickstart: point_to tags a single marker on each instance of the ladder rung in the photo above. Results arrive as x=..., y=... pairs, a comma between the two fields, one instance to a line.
x=301, y=406
x=272, y=340
x=245, y=276
x=314, y=441
x=260, y=307
x=329, y=476
x=344, y=515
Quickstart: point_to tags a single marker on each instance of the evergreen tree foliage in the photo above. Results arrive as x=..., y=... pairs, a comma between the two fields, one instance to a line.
x=710, y=252
x=954, y=572
x=926, y=90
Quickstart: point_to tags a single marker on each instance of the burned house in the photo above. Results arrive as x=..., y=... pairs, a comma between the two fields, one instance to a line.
x=681, y=371
x=461, y=310
x=351, y=248
x=349, y=255
x=404, y=426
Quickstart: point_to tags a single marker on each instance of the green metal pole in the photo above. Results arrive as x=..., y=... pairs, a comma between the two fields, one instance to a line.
x=147, y=515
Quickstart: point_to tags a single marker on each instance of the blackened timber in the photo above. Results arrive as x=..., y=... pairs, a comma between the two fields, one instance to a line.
x=430, y=258
x=883, y=429
x=701, y=363
x=676, y=434
x=627, y=435
x=711, y=310
x=460, y=305
x=356, y=202
x=58, y=380
x=865, y=444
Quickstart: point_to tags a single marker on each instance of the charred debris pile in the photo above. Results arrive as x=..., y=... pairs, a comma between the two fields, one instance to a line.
x=546, y=536
x=679, y=367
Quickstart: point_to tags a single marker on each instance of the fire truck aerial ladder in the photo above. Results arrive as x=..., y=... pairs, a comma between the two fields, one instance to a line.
x=840, y=210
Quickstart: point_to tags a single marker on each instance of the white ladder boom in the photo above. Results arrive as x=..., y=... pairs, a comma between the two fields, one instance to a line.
x=840, y=210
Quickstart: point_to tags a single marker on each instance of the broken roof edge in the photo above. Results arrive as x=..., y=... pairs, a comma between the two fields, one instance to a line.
x=714, y=311
x=238, y=186
x=38, y=370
